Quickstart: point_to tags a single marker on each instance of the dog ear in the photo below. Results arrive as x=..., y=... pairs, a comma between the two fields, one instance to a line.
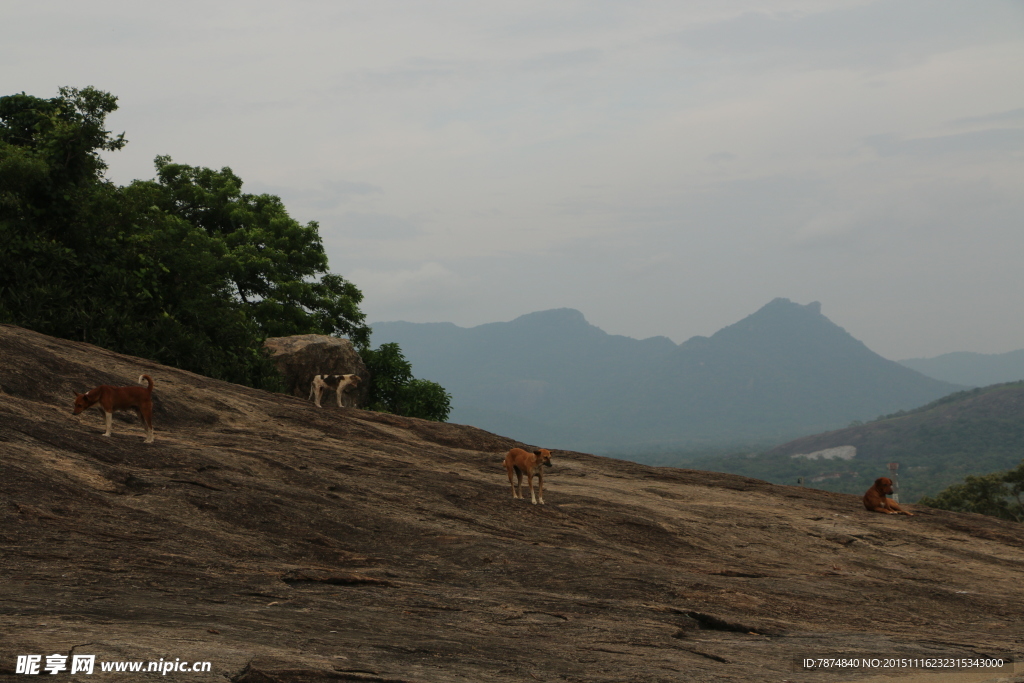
x=537, y=453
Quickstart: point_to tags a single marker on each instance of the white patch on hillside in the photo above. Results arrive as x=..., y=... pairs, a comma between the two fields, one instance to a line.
x=837, y=453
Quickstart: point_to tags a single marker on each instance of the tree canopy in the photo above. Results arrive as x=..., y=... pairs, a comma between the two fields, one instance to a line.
x=185, y=269
x=275, y=266
x=1000, y=494
x=395, y=390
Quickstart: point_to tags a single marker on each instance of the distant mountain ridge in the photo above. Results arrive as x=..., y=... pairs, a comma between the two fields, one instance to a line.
x=552, y=378
x=971, y=369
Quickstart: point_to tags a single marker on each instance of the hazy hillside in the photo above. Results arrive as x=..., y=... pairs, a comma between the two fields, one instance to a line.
x=538, y=377
x=971, y=369
x=969, y=432
x=551, y=377
x=283, y=543
x=785, y=370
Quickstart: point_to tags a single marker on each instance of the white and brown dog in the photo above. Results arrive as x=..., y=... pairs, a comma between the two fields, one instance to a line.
x=339, y=383
x=139, y=399
x=519, y=461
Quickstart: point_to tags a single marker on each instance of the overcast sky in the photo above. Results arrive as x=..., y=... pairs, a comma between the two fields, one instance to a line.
x=665, y=167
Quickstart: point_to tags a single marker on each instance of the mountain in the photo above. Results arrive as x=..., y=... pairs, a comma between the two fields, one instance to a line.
x=969, y=432
x=282, y=542
x=539, y=376
x=551, y=377
x=971, y=369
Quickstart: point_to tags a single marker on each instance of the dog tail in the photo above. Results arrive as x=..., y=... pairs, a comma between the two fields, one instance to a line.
x=146, y=377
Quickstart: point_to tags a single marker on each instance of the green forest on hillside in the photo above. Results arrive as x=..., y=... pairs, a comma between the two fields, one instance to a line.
x=185, y=269
x=973, y=432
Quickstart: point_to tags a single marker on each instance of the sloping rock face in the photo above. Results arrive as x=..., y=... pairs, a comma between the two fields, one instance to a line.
x=287, y=544
x=300, y=357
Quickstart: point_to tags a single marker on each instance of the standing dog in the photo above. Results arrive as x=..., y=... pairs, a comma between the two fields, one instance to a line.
x=517, y=460
x=139, y=399
x=339, y=383
x=875, y=499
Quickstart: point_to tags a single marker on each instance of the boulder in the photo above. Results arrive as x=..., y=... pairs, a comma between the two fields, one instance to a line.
x=301, y=356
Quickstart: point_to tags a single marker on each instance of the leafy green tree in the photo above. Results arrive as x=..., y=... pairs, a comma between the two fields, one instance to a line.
x=424, y=399
x=998, y=494
x=84, y=259
x=50, y=151
x=144, y=269
x=185, y=269
x=1014, y=479
x=276, y=266
x=394, y=390
x=51, y=184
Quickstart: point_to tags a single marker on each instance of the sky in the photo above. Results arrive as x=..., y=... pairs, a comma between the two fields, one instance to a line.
x=665, y=167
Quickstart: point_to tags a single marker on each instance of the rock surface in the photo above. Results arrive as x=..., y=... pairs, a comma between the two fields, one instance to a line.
x=283, y=543
x=300, y=357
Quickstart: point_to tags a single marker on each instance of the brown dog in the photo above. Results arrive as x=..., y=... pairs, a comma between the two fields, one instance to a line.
x=876, y=501
x=519, y=461
x=139, y=399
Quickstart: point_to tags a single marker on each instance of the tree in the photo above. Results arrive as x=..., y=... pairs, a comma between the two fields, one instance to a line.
x=141, y=269
x=51, y=183
x=394, y=390
x=998, y=494
x=84, y=259
x=276, y=267
x=185, y=269
x=62, y=137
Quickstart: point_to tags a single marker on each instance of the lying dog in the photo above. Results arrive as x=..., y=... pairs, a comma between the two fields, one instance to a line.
x=875, y=499
x=339, y=383
x=519, y=461
x=139, y=399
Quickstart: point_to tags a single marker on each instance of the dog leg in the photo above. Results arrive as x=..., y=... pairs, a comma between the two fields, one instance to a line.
x=895, y=508
x=540, y=485
x=529, y=481
x=341, y=388
x=146, y=413
x=109, y=417
x=508, y=471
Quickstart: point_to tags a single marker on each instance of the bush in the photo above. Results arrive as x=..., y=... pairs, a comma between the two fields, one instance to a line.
x=393, y=389
x=997, y=494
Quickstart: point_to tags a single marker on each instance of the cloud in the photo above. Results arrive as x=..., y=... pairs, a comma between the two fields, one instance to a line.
x=1003, y=117
x=720, y=158
x=995, y=140
x=472, y=162
x=329, y=195
x=372, y=226
x=566, y=59
x=390, y=289
x=858, y=35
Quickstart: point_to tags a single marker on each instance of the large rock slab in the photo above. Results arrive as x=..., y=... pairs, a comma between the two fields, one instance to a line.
x=301, y=356
x=286, y=544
